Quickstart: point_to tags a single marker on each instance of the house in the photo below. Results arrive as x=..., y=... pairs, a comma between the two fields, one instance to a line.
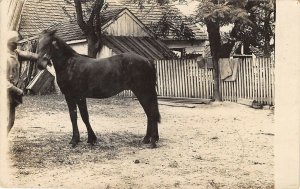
x=14, y=13
x=150, y=14
x=123, y=33
x=39, y=15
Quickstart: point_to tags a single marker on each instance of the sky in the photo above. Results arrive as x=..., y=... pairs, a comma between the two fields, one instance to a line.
x=187, y=8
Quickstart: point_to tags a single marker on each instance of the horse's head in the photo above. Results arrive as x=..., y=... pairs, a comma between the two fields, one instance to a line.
x=45, y=48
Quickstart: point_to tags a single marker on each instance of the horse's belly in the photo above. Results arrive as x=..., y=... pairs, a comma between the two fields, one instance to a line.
x=104, y=91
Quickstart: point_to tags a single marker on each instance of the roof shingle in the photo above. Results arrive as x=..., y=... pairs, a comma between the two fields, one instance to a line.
x=40, y=15
x=69, y=30
x=144, y=46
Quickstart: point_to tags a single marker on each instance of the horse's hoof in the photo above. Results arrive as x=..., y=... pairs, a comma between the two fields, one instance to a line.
x=153, y=142
x=74, y=142
x=92, y=141
x=74, y=145
x=146, y=140
x=153, y=145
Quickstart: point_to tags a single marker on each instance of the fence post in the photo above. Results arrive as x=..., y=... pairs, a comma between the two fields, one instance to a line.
x=220, y=81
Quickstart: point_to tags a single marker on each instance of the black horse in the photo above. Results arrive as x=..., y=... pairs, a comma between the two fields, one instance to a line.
x=80, y=77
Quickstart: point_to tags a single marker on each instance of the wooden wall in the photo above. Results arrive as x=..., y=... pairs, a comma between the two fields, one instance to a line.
x=126, y=25
x=14, y=14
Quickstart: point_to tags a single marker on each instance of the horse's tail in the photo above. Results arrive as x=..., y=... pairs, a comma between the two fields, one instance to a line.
x=153, y=69
x=157, y=116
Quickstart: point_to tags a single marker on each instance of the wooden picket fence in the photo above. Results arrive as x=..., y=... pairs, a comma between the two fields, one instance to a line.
x=187, y=79
x=255, y=81
x=183, y=78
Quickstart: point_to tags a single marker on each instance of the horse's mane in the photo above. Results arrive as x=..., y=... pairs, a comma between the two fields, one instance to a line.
x=66, y=49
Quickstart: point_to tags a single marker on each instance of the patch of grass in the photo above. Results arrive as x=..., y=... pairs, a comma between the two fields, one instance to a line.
x=212, y=184
x=55, y=150
x=55, y=102
x=255, y=186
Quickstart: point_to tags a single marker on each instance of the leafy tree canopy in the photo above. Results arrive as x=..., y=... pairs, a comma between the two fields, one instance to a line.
x=261, y=34
x=222, y=12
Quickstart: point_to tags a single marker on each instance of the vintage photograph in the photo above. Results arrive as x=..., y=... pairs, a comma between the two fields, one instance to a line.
x=140, y=94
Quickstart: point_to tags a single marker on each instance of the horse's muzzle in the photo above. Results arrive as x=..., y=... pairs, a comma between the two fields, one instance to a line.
x=42, y=63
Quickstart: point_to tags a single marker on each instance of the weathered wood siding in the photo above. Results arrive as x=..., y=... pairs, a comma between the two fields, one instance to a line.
x=105, y=52
x=14, y=14
x=125, y=25
x=81, y=48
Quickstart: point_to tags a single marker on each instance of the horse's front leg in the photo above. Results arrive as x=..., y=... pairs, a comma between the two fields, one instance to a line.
x=92, y=139
x=71, y=102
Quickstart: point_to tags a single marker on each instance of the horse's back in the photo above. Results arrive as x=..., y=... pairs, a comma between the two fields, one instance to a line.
x=130, y=64
x=129, y=57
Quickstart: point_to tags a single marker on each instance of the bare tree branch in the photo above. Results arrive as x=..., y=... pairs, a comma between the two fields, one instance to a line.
x=71, y=17
x=98, y=25
x=96, y=10
x=80, y=21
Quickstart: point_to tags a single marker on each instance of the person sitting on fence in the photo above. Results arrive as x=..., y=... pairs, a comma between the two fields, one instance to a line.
x=13, y=75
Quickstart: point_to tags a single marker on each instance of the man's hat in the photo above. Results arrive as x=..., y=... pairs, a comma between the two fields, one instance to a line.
x=12, y=36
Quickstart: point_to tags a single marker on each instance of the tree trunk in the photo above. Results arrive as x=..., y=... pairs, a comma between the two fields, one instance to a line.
x=267, y=31
x=94, y=45
x=91, y=28
x=213, y=29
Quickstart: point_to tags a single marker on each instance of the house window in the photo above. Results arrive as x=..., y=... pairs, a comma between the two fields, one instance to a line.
x=180, y=52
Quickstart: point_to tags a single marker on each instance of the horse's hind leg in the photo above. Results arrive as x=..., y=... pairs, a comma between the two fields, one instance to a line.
x=73, y=115
x=148, y=100
x=85, y=117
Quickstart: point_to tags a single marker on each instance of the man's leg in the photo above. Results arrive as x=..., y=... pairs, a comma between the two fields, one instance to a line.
x=11, y=116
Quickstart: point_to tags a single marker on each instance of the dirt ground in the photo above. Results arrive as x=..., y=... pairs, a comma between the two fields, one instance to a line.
x=217, y=145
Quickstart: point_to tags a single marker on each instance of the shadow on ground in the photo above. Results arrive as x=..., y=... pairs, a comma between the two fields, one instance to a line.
x=55, y=150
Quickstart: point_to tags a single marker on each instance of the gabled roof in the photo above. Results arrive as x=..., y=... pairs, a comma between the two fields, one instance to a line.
x=144, y=46
x=70, y=31
x=39, y=15
x=108, y=15
x=151, y=13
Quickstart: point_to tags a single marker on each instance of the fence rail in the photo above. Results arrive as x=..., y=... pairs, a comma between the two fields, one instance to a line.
x=187, y=78
x=183, y=78
x=255, y=80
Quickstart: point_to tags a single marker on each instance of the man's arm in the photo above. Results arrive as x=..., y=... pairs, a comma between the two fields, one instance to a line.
x=12, y=75
x=26, y=55
x=14, y=89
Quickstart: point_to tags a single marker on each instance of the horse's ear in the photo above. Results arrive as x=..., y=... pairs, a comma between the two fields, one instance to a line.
x=52, y=32
x=49, y=32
